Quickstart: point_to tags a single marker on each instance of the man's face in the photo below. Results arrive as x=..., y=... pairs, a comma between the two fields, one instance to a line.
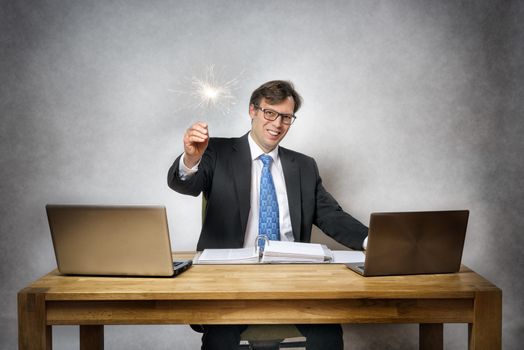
x=268, y=134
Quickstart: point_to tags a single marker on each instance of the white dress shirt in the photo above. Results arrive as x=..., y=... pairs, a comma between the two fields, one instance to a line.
x=284, y=219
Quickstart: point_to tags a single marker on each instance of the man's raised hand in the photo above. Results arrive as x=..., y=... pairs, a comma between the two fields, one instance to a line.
x=196, y=140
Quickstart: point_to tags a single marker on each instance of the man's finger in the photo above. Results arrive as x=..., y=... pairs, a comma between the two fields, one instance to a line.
x=200, y=127
x=197, y=138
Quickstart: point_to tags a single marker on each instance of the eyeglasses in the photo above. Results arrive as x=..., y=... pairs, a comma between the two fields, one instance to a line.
x=272, y=115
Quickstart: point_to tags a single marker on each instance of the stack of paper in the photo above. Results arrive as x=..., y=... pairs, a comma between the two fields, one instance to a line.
x=295, y=252
x=228, y=256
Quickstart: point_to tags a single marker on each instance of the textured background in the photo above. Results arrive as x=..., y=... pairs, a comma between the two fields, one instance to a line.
x=409, y=105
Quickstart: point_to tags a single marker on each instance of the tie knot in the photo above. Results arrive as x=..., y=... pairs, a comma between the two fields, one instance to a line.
x=266, y=159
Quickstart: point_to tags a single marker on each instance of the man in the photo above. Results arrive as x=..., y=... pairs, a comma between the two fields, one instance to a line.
x=253, y=186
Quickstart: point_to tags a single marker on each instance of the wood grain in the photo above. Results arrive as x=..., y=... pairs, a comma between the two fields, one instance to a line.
x=260, y=311
x=233, y=282
x=33, y=332
x=486, y=330
x=262, y=294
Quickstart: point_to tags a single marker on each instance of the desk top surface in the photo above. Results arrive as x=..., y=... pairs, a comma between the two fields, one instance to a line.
x=277, y=281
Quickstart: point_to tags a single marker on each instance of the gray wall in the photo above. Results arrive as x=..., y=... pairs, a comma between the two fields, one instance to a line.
x=409, y=105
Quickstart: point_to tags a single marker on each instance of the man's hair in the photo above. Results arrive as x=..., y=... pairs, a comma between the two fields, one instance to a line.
x=274, y=92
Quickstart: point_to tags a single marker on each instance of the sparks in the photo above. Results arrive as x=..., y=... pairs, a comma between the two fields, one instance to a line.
x=210, y=91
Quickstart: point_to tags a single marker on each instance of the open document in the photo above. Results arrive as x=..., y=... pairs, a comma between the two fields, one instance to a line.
x=279, y=252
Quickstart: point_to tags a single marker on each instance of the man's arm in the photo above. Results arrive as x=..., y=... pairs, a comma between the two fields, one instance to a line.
x=183, y=176
x=335, y=222
x=183, y=171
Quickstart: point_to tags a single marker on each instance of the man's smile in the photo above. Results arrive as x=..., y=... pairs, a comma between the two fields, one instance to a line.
x=273, y=132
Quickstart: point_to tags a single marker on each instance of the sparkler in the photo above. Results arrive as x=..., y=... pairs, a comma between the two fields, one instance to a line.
x=211, y=91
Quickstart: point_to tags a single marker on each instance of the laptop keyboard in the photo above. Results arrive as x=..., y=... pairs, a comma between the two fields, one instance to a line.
x=178, y=263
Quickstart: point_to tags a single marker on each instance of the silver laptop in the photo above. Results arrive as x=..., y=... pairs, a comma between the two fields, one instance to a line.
x=112, y=240
x=414, y=243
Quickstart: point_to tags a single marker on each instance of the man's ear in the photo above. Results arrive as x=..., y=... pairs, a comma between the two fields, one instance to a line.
x=252, y=111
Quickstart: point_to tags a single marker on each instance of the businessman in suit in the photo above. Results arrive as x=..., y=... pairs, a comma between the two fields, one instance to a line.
x=233, y=174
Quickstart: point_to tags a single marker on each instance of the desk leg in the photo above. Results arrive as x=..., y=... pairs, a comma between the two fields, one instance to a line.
x=431, y=336
x=33, y=332
x=486, y=330
x=91, y=337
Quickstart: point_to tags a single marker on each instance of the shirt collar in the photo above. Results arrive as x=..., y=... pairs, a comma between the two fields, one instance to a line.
x=256, y=151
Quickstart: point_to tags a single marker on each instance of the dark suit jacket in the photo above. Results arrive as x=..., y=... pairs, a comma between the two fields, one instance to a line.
x=224, y=176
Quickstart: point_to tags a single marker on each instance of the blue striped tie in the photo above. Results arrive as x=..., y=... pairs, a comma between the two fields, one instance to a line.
x=268, y=223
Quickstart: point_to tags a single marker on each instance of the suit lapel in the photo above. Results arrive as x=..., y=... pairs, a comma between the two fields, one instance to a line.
x=241, y=164
x=292, y=178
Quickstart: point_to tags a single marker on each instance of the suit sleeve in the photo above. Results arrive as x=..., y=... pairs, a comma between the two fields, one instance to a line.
x=334, y=221
x=199, y=181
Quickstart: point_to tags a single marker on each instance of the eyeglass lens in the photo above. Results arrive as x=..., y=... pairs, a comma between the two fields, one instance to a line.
x=272, y=115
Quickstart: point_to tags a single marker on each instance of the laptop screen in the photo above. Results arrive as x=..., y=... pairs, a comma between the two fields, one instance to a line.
x=415, y=242
x=111, y=240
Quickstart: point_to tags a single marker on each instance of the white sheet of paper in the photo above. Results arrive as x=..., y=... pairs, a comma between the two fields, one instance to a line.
x=228, y=254
x=348, y=256
x=286, y=249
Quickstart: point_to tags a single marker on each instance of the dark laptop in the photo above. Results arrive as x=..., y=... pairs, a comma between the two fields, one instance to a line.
x=112, y=240
x=414, y=243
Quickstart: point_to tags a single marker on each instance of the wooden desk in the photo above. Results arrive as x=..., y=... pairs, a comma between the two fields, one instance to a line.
x=261, y=294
